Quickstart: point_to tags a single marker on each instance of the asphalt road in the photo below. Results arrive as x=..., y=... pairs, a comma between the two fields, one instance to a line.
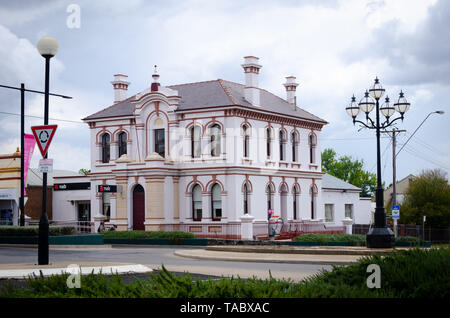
x=154, y=257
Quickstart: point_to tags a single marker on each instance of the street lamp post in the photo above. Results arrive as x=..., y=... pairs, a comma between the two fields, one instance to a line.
x=380, y=236
x=47, y=47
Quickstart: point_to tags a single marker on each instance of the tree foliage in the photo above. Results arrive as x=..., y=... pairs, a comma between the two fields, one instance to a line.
x=349, y=170
x=428, y=194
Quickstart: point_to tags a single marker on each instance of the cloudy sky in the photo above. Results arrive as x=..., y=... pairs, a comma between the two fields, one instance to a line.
x=334, y=48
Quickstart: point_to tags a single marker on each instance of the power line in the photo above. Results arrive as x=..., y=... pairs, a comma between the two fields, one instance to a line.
x=56, y=119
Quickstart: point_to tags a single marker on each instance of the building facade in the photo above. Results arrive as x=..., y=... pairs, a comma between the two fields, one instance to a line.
x=200, y=156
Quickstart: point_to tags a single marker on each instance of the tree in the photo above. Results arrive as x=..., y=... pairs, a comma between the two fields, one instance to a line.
x=428, y=194
x=349, y=170
x=84, y=171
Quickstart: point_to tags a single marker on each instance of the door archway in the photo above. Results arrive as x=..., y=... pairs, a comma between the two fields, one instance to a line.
x=138, y=208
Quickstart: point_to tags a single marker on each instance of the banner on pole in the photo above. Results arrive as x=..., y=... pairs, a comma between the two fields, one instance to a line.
x=29, y=144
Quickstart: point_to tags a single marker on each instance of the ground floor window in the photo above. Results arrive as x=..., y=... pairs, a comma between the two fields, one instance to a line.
x=216, y=202
x=84, y=211
x=329, y=212
x=197, y=203
x=107, y=205
x=349, y=211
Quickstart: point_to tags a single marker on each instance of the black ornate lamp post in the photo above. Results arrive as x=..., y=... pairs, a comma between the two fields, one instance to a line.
x=47, y=47
x=380, y=236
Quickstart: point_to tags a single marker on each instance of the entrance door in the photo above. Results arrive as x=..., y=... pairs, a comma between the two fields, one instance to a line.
x=84, y=211
x=138, y=208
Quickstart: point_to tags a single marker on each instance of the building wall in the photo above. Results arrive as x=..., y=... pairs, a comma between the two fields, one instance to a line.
x=33, y=206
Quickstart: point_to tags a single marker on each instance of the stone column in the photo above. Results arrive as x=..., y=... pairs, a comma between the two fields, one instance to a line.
x=247, y=227
x=348, y=225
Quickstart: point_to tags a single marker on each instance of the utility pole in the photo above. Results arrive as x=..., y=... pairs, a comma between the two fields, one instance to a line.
x=394, y=171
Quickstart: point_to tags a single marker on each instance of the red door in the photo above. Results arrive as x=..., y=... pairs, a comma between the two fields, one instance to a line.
x=138, y=208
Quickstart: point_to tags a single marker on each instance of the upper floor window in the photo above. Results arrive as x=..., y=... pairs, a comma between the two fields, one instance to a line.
x=106, y=139
x=294, y=147
x=312, y=148
x=268, y=142
x=216, y=202
x=282, y=145
x=196, y=141
x=215, y=140
x=160, y=142
x=246, y=134
x=122, y=143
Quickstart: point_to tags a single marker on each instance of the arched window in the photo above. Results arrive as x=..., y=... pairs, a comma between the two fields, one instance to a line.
x=105, y=148
x=246, y=134
x=196, y=135
x=122, y=143
x=312, y=148
x=197, y=203
x=294, y=147
x=246, y=192
x=268, y=142
x=215, y=132
x=282, y=145
x=295, y=193
x=160, y=142
x=313, y=193
x=269, y=192
x=216, y=202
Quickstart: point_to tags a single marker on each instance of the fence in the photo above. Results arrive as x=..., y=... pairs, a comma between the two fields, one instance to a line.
x=434, y=235
x=81, y=227
x=230, y=230
x=292, y=229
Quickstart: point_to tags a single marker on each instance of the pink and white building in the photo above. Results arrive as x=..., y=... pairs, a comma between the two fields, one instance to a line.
x=212, y=157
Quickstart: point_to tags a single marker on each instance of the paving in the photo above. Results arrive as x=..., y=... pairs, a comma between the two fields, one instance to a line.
x=20, y=271
x=319, y=255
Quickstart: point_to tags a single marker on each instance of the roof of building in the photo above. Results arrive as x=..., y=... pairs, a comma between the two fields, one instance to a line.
x=34, y=177
x=215, y=93
x=331, y=182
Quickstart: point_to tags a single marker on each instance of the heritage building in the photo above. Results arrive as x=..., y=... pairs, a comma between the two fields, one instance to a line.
x=206, y=156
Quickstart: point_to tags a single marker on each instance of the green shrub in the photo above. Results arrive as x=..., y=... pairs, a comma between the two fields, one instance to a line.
x=411, y=273
x=351, y=239
x=174, y=236
x=7, y=230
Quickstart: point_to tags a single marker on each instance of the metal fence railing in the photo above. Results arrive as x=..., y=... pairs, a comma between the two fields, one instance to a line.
x=434, y=235
x=231, y=230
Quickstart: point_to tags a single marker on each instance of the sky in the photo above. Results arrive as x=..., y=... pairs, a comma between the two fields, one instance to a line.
x=334, y=48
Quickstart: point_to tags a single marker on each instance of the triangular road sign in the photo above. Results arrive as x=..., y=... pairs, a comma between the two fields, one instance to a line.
x=43, y=136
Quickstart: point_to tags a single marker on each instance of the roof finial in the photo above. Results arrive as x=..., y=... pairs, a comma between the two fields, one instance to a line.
x=155, y=84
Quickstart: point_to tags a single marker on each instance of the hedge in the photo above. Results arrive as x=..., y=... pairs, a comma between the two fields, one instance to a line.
x=8, y=230
x=352, y=239
x=413, y=273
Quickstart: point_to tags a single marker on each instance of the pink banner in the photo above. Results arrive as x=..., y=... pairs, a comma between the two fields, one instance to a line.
x=29, y=148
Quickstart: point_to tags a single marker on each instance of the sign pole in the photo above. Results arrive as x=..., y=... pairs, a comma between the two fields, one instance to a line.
x=43, y=246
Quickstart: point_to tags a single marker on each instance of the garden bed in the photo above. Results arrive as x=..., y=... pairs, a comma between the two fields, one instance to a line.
x=413, y=273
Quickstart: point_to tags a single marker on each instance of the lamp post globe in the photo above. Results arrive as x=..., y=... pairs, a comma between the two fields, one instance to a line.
x=379, y=236
x=47, y=47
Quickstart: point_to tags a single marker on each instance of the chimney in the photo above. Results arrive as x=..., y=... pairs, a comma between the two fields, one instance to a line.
x=155, y=84
x=120, y=85
x=251, y=70
x=291, y=86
